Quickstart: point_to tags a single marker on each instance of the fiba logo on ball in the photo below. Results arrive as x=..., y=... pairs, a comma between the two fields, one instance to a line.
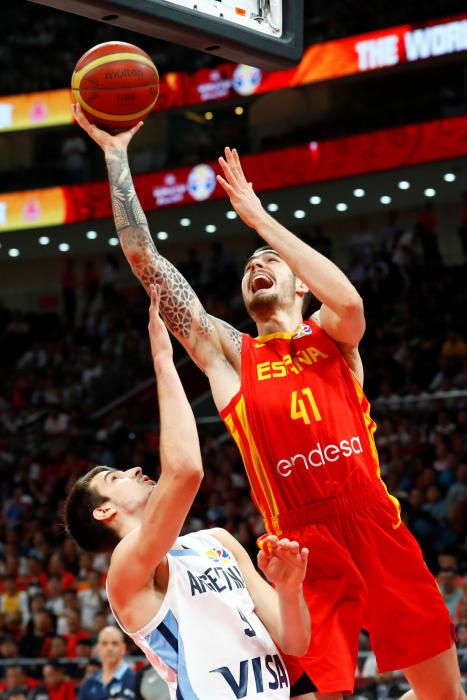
x=246, y=79
x=201, y=182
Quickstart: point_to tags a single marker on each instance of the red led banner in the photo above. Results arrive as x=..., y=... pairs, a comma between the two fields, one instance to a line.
x=326, y=61
x=300, y=165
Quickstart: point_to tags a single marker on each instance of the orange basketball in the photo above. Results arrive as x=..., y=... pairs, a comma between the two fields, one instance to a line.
x=116, y=84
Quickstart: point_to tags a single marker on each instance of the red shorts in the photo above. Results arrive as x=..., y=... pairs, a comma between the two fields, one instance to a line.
x=365, y=570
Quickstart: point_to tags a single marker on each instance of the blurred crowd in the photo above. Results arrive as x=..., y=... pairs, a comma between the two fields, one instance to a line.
x=61, y=373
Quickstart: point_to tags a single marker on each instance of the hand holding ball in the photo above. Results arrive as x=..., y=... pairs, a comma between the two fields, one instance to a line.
x=116, y=84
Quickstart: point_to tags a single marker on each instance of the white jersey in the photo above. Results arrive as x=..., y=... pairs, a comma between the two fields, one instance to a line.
x=206, y=641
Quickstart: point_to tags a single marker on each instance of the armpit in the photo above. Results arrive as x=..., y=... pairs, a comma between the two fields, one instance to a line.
x=316, y=318
x=231, y=340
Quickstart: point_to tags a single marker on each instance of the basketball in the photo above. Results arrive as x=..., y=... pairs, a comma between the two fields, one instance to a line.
x=116, y=84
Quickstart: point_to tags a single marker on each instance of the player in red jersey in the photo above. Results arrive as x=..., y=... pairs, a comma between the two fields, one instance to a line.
x=293, y=401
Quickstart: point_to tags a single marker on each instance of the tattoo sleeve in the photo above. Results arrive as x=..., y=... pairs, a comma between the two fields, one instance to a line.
x=232, y=336
x=180, y=308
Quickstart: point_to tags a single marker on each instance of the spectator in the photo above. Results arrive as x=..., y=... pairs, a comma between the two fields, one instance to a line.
x=56, y=422
x=17, y=694
x=57, y=568
x=458, y=491
x=91, y=599
x=84, y=655
x=55, y=686
x=54, y=590
x=99, y=622
x=13, y=603
x=390, y=684
x=36, y=641
x=8, y=648
x=115, y=679
x=58, y=647
x=75, y=632
x=462, y=646
x=16, y=678
x=91, y=669
x=451, y=593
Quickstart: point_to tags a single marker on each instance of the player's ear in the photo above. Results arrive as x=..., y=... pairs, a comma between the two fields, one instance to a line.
x=106, y=511
x=300, y=287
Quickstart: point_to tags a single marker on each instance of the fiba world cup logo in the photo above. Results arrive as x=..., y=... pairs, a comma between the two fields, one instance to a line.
x=201, y=182
x=246, y=80
x=218, y=555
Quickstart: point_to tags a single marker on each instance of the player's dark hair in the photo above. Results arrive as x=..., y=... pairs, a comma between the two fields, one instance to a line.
x=307, y=299
x=90, y=534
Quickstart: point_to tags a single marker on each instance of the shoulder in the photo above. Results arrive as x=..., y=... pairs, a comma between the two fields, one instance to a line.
x=226, y=539
x=206, y=536
x=129, y=676
x=89, y=682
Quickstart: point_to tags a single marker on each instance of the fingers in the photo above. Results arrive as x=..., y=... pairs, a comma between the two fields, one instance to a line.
x=267, y=544
x=288, y=549
x=224, y=184
x=262, y=559
x=155, y=297
x=135, y=128
x=232, y=168
x=80, y=117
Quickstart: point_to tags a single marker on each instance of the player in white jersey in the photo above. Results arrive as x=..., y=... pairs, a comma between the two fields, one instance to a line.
x=196, y=606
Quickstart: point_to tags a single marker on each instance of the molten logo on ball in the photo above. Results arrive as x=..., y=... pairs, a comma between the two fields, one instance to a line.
x=116, y=84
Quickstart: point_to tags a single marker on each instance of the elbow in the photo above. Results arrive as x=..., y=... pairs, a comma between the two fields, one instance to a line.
x=354, y=315
x=353, y=304
x=297, y=646
x=298, y=643
x=188, y=473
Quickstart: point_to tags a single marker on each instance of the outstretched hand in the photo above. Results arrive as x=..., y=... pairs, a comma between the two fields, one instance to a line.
x=241, y=193
x=103, y=139
x=161, y=346
x=283, y=562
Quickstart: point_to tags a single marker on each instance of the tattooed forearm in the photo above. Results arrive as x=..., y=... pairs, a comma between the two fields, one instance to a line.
x=179, y=305
x=127, y=210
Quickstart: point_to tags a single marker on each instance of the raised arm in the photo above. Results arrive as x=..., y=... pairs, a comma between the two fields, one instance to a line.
x=282, y=609
x=341, y=314
x=139, y=553
x=206, y=339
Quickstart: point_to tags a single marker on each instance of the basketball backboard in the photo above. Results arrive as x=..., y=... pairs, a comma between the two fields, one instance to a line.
x=263, y=33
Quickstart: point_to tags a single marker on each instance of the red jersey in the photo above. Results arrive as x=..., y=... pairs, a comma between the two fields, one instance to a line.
x=301, y=421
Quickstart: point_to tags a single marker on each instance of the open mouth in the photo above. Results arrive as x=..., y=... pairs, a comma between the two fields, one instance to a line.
x=261, y=281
